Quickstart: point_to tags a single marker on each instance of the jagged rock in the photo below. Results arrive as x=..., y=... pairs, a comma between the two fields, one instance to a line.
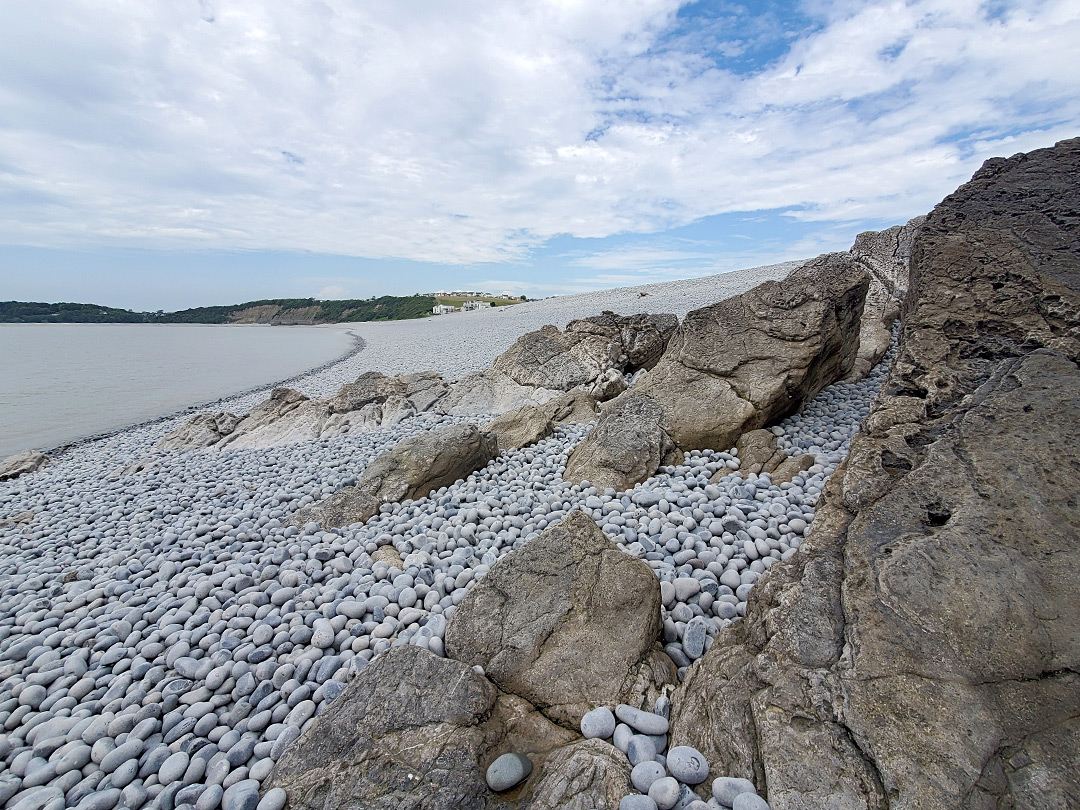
x=412, y=469
x=289, y=419
x=642, y=338
x=412, y=730
x=389, y=555
x=573, y=406
x=17, y=519
x=567, y=622
x=421, y=390
x=921, y=651
x=884, y=255
x=739, y=364
x=521, y=427
x=27, y=461
x=608, y=385
x=492, y=392
x=548, y=358
x=588, y=774
x=202, y=430
x=791, y=466
x=627, y=445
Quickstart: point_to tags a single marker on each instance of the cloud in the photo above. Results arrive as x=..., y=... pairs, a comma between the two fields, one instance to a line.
x=476, y=132
x=331, y=292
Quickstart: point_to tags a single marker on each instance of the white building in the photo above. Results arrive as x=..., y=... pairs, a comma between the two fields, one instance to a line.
x=443, y=309
x=468, y=306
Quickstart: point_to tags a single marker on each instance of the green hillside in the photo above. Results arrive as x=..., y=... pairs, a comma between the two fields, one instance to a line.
x=271, y=310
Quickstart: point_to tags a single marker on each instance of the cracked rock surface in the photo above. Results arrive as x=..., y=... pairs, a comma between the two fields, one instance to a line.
x=923, y=653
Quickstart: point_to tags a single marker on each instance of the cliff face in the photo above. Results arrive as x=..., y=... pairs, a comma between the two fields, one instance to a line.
x=924, y=651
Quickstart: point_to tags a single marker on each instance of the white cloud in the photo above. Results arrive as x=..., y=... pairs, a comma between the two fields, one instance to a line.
x=460, y=133
x=332, y=292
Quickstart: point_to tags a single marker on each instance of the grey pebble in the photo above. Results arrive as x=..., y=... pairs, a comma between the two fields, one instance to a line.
x=506, y=771
x=644, y=722
x=687, y=764
x=598, y=723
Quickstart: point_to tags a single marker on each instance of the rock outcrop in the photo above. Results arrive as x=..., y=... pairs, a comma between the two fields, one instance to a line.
x=885, y=256
x=592, y=354
x=737, y=365
x=372, y=401
x=922, y=652
x=412, y=469
x=27, y=461
x=568, y=622
x=412, y=730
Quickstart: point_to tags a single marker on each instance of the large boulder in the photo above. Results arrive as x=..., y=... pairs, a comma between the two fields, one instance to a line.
x=492, y=392
x=412, y=469
x=921, y=651
x=627, y=445
x=521, y=427
x=587, y=775
x=412, y=730
x=568, y=622
x=27, y=461
x=884, y=255
x=736, y=365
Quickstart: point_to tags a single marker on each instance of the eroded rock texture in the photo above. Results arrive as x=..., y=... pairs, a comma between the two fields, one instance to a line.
x=21, y=463
x=734, y=366
x=923, y=651
x=567, y=622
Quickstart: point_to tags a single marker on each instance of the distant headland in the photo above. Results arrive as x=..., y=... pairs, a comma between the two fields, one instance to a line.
x=284, y=311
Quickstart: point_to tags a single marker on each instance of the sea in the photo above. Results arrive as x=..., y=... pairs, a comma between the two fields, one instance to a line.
x=62, y=382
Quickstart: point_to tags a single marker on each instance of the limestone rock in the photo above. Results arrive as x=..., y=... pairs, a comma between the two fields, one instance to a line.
x=567, y=622
x=415, y=730
x=573, y=406
x=21, y=463
x=738, y=365
x=921, y=651
x=884, y=255
x=410, y=470
x=549, y=358
x=492, y=392
x=588, y=774
x=627, y=445
x=202, y=430
x=521, y=427
x=758, y=452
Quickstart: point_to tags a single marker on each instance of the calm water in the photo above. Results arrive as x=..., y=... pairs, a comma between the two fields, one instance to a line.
x=61, y=382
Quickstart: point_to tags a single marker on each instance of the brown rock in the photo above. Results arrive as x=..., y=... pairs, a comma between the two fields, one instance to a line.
x=626, y=446
x=567, y=622
x=588, y=774
x=521, y=427
x=922, y=652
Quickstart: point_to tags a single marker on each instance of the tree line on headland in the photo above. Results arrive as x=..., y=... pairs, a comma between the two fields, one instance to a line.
x=272, y=310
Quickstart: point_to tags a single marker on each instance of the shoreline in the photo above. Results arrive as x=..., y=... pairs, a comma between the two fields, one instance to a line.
x=358, y=345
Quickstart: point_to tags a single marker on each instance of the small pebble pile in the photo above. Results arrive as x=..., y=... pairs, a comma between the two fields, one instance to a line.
x=665, y=777
x=164, y=635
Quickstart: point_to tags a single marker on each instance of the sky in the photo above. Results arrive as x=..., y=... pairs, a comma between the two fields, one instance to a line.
x=161, y=154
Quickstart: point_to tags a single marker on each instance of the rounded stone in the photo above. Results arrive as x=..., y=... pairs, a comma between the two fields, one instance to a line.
x=726, y=788
x=643, y=722
x=665, y=792
x=687, y=764
x=244, y=795
x=598, y=724
x=749, y=801
x=636, y=802
x=274, y=799
x=640, y=749
x=507, y=771
x=645, y=773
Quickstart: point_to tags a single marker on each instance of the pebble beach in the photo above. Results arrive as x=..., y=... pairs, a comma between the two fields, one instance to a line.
x=164, y=635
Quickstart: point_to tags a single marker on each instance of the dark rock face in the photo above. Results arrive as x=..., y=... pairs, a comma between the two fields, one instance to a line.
x=923, y=652
x=567, y=622
x=410, y=470
x=738, y=365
